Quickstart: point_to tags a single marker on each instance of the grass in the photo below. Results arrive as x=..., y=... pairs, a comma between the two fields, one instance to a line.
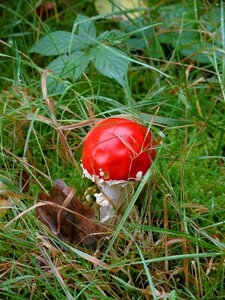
x=170, y=242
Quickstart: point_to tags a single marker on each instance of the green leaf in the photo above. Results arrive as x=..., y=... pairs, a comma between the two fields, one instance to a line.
x=56, y=85
x=189, y=43
x=85, y=29
x=53, y=44
x=57, y=43
x=58, y=65
x=77, y=64
x=111, y=62
x=139, y=31
x=198, y=52
x=114, y=36
x=66, y=67
x=70, y=66
x=185, y=38
x=173, y=14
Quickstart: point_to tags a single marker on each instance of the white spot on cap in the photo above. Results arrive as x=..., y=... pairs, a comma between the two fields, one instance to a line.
x=101, y=173
x=101, y=181
x=88, y=198
x=139, y=175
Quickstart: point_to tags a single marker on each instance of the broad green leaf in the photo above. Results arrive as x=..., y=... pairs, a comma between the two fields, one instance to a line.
x=136, y=43
x=58, y=65
x=173, y=38
x=53, y=44
x=198, y=52
x=111, y=62
x=174, y=14
x=214, y=24
x=85, y=26
x=113, y=36
x=141, y=33
x=77, y=64
x=70, y=66
x=85, y=30
x=140, y=27
x=57, y=43
x=189, y=43
x=66, y=67
x=154, y=48
x=55, y=85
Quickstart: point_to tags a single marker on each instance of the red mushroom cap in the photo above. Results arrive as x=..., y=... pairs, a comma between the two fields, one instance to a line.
x=118, y=149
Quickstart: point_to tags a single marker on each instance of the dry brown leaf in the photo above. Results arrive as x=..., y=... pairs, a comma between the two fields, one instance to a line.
x=72, y=221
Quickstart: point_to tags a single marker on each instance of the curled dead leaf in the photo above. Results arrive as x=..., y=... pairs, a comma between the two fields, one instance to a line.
x=69, y=218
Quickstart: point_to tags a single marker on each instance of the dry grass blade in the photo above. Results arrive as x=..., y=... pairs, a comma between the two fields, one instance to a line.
x=57, y=274
x=169, y=243
x=66, y=150
x=79, y=125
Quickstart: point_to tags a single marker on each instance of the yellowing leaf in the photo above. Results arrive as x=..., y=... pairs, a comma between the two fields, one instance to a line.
x=106, y=6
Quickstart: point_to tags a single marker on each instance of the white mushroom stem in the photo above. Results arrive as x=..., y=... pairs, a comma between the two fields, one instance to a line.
x=110, y=199
x=113, y=193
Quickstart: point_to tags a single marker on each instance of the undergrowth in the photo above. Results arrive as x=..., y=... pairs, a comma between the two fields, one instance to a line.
x=169, y=243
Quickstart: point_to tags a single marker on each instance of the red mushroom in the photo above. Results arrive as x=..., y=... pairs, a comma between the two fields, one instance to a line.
x=116, y=151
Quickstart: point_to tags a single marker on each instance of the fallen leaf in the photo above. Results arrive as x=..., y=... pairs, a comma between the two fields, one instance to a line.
x=107, y=6
x=71, y=220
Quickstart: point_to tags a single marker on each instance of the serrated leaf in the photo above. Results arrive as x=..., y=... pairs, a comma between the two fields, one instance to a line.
x=53, y=44
x=113, y=36
x=85, y=28
x=173, y=37
x=58, y=65
x=201, y=52
x=111, y=62
x=57, y=43
x=139, y=27
x=173, y=14
x=78, y=62
x=70, y=66
x=54, y=85
x=65, y=67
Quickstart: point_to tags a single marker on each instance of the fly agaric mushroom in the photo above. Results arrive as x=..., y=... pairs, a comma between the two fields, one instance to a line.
x=116, y=152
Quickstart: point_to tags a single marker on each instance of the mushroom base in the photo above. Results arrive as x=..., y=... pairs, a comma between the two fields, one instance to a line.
x=111, y=198
x=113, y=194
